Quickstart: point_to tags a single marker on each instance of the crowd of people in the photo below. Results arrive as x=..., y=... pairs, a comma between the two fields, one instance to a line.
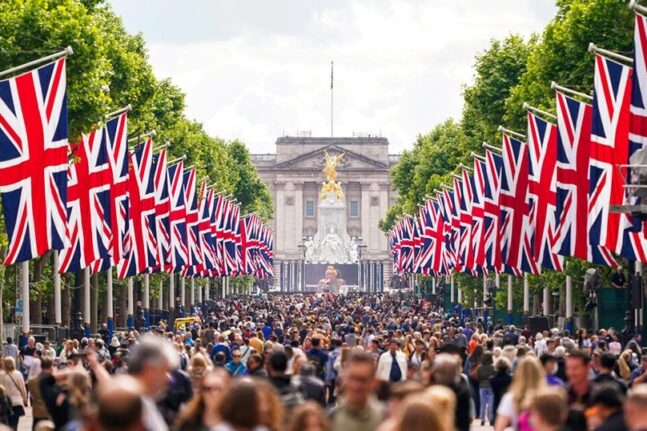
x=328, y=362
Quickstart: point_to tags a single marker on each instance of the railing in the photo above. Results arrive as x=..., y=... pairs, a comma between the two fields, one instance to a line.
x=394, y=158
x=263, y=157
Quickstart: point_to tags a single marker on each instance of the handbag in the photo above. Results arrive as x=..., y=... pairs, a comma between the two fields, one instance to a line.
x=22, y=394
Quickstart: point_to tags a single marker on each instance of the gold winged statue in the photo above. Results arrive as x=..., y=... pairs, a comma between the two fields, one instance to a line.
x=330, y=169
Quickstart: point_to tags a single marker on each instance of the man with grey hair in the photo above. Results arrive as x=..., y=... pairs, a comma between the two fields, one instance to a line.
x=445, y=372
x=149, y=362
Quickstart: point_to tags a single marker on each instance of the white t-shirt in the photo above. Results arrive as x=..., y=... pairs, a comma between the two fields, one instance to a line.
x=508, y=409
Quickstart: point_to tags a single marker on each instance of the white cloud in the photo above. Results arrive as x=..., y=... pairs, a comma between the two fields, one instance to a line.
x=399, y=67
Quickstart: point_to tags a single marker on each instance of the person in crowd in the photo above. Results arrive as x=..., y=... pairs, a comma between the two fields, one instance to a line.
x=635, y=408
x=358, y=410
x=256, y=366
x=578, y=367
x=309, y=416
x=607, y=399
x=10, y=349
x=311, y=387
x=282, y=382
x=392, y=366
x=484, y=373
x=149, y=362
x=606, y=372
x=235, y=367
x=201, y=412
x=639, y=374
x=318, y=358
x=548, y=409
x=500, y=382
x=549, y=362
x=14, y=384
x=445, y=372
x=247, y=404
x=418, y=415
x=38, y=407
x=529, y=376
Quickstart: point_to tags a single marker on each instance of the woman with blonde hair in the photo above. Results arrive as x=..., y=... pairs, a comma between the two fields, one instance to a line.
x=445, y=399
x=308, y=417
x=198, y=367
x=14, y=385
x=419, y=415
x=528, y=377
x=624, y=365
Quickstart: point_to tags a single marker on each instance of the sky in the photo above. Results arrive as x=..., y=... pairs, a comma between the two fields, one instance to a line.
x=256, y=70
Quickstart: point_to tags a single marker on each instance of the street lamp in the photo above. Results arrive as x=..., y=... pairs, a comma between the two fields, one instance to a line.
x=361, y=247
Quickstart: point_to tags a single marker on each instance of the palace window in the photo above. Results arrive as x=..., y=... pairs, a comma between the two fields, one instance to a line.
x=310, y=208
x=354, y=208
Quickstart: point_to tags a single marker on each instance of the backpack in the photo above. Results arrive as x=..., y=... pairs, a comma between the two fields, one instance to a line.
x=6, y=409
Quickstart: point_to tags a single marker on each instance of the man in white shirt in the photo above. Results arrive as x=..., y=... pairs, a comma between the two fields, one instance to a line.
x=392, y=366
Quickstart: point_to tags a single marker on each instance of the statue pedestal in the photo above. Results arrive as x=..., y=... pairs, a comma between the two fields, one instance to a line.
x=331, y=244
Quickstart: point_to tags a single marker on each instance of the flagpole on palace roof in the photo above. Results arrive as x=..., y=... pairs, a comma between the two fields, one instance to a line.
x=605, y=52
x=527, y=107
x=67, y=51
x=557, y=87
x=126, y=108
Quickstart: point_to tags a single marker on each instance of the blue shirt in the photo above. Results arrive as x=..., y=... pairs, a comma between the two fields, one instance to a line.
x=221, y=348
x=236, y=370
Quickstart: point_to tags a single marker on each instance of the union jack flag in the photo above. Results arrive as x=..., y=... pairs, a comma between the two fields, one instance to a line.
x=573, y=153
x=440, y=236
x=515, y=245
x=141, y=242
x=542, y=191
x=207, y=245
x=417, y=245
x=177, y=218
x=248, y=238
x=478, y=216
x=634, y=244
x=425, y=252
x=450, y=229
x=266, y=260
x=217, y=235
x=162, y=212
x=492, y=172
x=88, y=203
x=115, y=135
x=230, y=217
x=610, y=148
x=464, y=194
x=33, y=161
x=191, y=208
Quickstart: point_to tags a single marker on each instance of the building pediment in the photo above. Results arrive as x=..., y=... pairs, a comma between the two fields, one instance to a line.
x=314, y=160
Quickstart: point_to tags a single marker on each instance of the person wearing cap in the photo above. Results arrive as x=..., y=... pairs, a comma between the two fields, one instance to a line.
x=392, y=366
x=607, y=399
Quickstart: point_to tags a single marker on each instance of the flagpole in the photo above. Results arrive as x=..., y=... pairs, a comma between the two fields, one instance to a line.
x=206, y=290
x=555, y=86
x=131, y=306
x=160, y=297
x=606, y=53
x=57, y=290
x=527, y=107
x=86, y=300
x=526, y=295
x=511, y=132
x=147, y=300
x=67, y=51
x=171, y=296
x=118, y=112
x=192, y=303
x=110, y=306
x=24, y=280
x=182, y=292
x=143, y=135
x=569, y=304
x=331, y=99
x=491, y=147
x=509, y=299
x=636, y=7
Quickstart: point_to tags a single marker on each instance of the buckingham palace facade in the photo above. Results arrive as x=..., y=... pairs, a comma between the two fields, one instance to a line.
x=294, y=176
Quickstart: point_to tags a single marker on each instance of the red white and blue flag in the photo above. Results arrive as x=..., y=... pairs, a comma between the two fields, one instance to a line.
x=492, y=172
x=248, y=232
x=207, y=244
x=177, y=218
x=542, y=191
x=140, y=245
x=572, y=185
x=191, y=210
x=88, y=203
x=516, y=250
x=478, y=216
x=33, y=161
x=162, y=212
x=609, y=150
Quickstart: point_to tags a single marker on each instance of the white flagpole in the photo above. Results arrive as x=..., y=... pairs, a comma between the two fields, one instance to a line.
x=182, y=292
x=192, y=303
x=171, y=291
x=86, y=300
x=131, y=302
x=58, y=319
x=147, y=298
x=206, y=290
x=67, y=51
x=24, y=280
x=160, y=297
x=109, y=300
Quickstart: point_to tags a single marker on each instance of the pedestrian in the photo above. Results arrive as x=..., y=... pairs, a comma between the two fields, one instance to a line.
x=309, y=416
x=14, y=385
x=201, y=412
x=548, y=410
x=486, y=396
